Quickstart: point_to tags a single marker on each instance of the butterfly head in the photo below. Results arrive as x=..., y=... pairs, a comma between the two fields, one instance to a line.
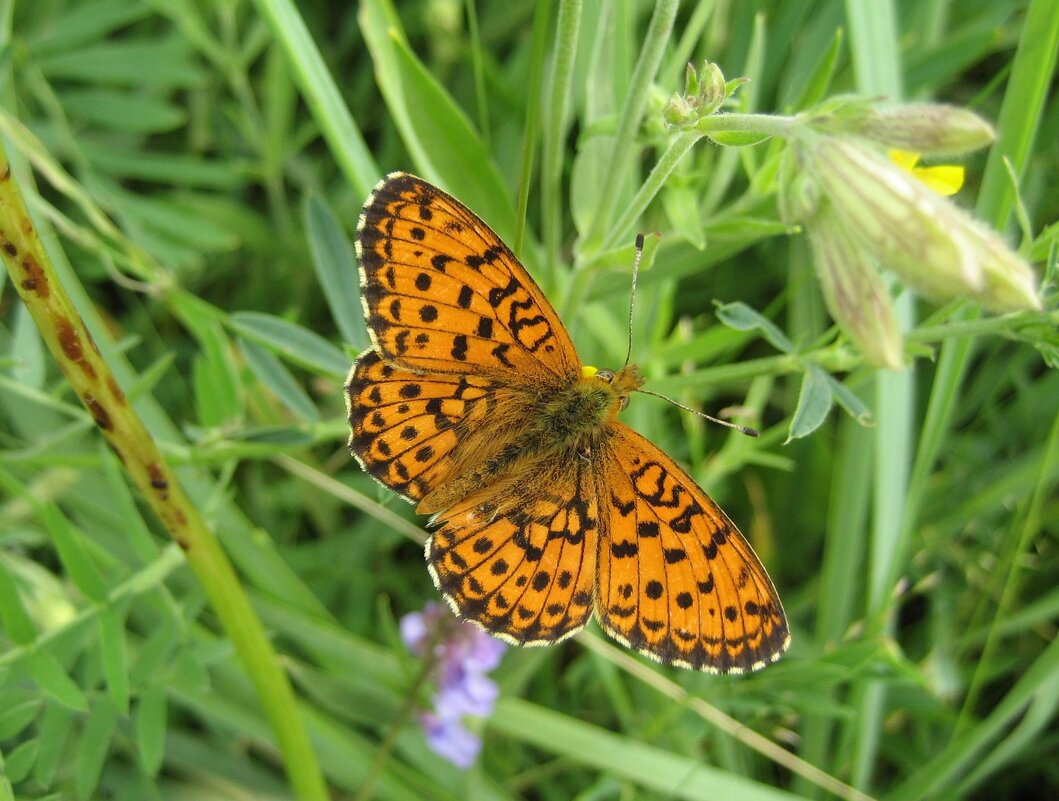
x=622, y=383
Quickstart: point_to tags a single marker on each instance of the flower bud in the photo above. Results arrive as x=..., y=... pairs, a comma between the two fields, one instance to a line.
x=1010, y=284
x=712, y=89
x=908, y=228
x=854, y=292
x=704, y=92
x=678, y=112
x=932, y=245
x=928, y=128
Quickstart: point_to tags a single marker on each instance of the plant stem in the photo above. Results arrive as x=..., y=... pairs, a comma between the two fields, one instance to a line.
x=386, y=746
x=73, y=347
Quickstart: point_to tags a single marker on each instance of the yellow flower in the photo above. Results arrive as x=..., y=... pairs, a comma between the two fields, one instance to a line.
x=945, y=179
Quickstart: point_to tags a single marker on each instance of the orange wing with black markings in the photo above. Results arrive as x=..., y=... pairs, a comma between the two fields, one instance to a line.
x=405, y=426
x=521, y=561
x=473, y=403
x=677, y=581
x=443, y=294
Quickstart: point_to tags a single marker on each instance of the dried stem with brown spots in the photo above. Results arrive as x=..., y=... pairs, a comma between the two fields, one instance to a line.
x=73, y=347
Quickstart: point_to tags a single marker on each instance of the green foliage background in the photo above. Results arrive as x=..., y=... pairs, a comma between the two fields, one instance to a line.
x=230, y=149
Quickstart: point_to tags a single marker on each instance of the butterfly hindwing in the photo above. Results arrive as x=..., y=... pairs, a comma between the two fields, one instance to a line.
x=677, y=581
x=443, y=293
x=521, y=561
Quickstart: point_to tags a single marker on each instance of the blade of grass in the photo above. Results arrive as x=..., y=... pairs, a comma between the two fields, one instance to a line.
x=654, y=46
x=556, y=124
x=322, y=95
x=875, y=48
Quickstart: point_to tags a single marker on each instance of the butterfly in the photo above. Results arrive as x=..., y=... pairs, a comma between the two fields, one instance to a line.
x=472, y=404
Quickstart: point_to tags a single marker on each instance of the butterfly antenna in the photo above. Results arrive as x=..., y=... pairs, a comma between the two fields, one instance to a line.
x=750, y=432
x=632, y=294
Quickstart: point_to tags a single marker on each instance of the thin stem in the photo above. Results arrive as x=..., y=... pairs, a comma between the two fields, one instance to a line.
x=411, y=702
x=1030, y=528
x=480, y=96
x=874, y=43
x=654, y=47
x=1004, y=324
x=555, y=126
x=768, y=124
x=530, y=129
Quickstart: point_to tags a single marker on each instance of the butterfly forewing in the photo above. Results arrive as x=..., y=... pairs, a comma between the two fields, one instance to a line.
x=677, y=580
x=444, y=294
x=405, y=427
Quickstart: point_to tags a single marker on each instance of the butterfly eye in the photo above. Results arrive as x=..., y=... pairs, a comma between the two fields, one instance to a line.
x=606, y=376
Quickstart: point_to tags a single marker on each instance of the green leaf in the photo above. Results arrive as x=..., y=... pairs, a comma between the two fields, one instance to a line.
x=134, y=530
x=814, y=402
x=737, y=138
x=155, y=653
x=44, y=669
x=28, y=351
x=20, y=761
x=818, y=82
x=435, y=130
x=149, y=722
x=16, y=621
x=170, y=169
x=281, y=435
x=188, y=220
x=745, y=229
x=667, y=774
x=115, y=657
x=336, y=271
x=681, y=204
x=849, y=400
x=95, y=742
x=15, y=715
x=86, y=21
x=271, y=372
x=158, y=63
x=742, y=318
x=72, y=553
x=292, y=341
x=123, y=111
x=53, y=733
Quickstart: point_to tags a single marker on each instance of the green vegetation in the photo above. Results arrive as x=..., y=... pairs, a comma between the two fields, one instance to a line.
x=195, y=171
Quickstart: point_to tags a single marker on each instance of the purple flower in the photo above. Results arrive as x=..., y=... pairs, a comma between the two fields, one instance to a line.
x=449, y=739
x=461, y=655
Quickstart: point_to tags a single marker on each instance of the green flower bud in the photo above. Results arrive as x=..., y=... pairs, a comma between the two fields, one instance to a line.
x=677, y=112
x=854, y=292
x=932, y=245
x=927, y=128
x=712, y=89
x=704, y=92
x=910, y=229
x=1010, y=284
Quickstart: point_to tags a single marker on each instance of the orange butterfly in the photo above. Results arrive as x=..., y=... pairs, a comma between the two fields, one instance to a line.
x=473, y=404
